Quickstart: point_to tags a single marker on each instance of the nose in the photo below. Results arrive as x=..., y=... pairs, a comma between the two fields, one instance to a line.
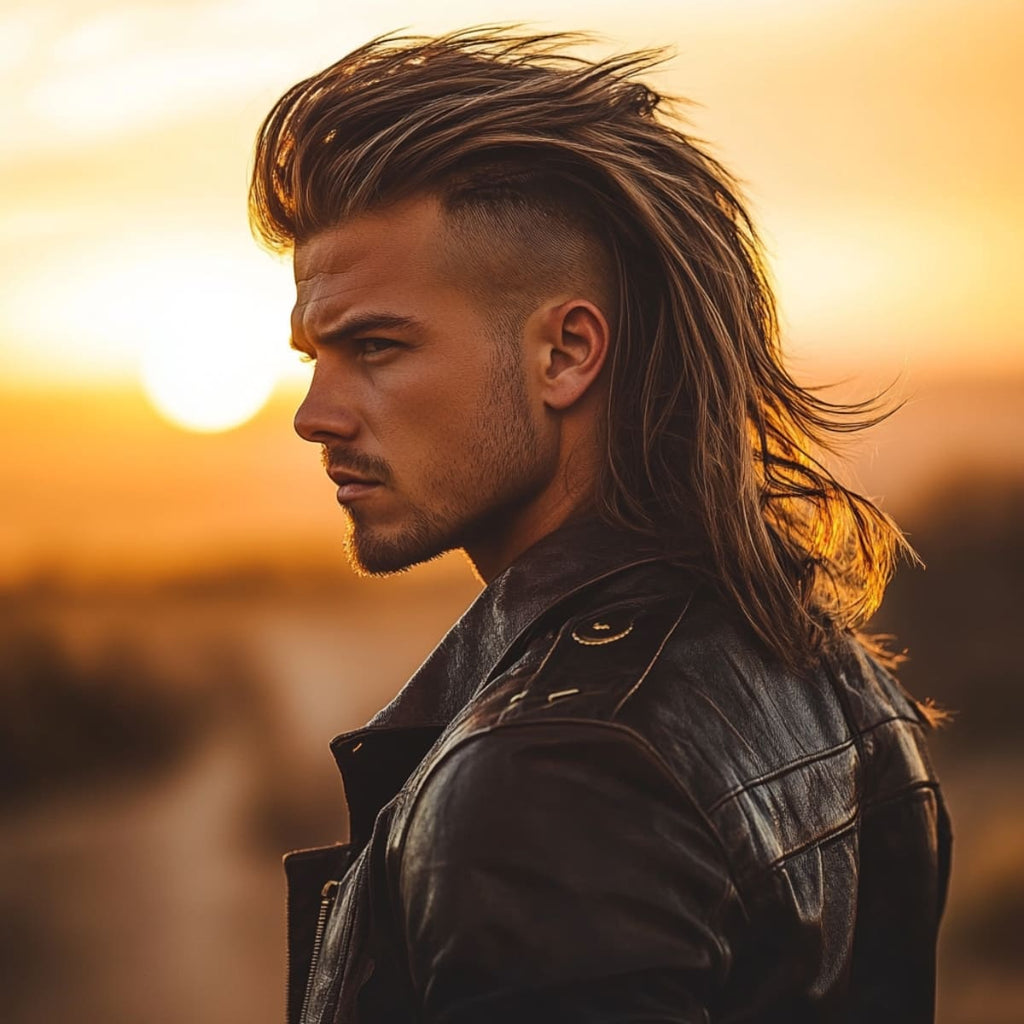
x=326, y=413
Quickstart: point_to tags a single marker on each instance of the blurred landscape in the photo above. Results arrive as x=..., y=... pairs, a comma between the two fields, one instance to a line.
x=164, y=722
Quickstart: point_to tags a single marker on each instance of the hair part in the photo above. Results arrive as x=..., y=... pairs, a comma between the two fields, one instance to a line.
x=710, y=445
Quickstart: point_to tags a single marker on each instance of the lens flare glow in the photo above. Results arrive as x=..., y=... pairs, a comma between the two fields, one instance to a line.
x=203, y=382
x=204, y=326
x=211, y=332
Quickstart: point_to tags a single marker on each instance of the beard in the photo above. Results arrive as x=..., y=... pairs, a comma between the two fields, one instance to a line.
x=474, y=490
x=370, y=552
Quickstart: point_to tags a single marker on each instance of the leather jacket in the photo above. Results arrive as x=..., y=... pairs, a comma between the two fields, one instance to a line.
x=602, y=799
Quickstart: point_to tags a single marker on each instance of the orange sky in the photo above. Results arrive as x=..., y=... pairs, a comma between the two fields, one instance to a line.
x=878, y=141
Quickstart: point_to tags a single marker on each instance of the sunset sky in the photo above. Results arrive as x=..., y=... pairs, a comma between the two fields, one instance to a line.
x=879, y=143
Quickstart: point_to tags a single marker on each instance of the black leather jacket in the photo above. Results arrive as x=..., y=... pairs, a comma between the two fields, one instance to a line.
x=600, y=799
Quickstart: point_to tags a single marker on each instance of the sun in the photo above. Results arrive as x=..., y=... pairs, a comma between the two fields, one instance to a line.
x=207, y=376
x=199, y=321
x=212, y=340
x=207, y=323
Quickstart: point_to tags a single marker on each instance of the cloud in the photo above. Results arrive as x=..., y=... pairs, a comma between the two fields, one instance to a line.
x=83, y=78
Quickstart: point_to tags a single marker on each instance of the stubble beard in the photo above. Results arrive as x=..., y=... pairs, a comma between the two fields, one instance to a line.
x=370, y=554
x=499, y=469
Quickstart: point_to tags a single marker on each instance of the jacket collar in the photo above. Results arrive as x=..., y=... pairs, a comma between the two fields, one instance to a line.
x=563, y=562
x=376, y=760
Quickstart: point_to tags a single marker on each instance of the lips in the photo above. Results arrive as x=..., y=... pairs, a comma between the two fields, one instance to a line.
x=351, y=485
x=344, y=477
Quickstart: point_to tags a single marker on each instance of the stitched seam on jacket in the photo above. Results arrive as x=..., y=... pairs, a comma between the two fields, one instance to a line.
x=889, y=798
x=657, y=654
x=851, y=822
x=498, y=668
x=820, y=840
x=536, y=672
x=802, y=762
x=597, y=610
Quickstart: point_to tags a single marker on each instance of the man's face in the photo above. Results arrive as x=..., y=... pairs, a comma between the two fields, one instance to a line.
x=423, y=410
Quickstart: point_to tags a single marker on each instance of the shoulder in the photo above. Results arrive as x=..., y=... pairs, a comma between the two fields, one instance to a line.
x=666, y=659
x=662, y=658
x=676, y=672
x=653, y=669
x=550, y=857
x=553, y=737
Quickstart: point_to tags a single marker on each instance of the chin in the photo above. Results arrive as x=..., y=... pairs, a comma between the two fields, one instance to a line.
x=374, y=552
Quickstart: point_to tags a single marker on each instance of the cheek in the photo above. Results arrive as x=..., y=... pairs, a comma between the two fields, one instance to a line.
x=440, y=401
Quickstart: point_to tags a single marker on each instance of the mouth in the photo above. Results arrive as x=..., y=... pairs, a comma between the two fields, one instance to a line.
x=351, y=485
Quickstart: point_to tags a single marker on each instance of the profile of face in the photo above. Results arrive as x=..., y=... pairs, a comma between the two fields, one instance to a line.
x=438, y=424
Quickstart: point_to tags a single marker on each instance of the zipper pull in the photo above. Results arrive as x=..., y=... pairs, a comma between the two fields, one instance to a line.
x=327, y=894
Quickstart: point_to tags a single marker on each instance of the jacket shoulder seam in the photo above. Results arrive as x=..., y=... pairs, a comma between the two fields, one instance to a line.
x=643, y=746
x=802, y=762
x=890, y=798
x=653, y=661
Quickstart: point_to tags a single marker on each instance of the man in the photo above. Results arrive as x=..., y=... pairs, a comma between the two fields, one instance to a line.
x=651, y=774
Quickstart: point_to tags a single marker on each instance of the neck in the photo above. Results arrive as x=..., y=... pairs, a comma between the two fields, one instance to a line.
x=567, y=495
x=500, y=545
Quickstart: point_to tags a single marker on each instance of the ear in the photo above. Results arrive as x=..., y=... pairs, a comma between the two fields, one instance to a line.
x=574, y=337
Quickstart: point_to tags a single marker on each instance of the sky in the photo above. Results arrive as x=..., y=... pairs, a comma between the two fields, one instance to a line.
x=876, y=140
x=878, y=143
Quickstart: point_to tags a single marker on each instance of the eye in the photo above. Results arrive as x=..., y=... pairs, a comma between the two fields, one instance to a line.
x=375, y=346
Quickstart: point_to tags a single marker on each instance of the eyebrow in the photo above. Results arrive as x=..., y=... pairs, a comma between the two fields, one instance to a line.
x=361, y=323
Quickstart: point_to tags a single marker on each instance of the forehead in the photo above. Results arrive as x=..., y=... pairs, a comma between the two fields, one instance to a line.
x=389, y=255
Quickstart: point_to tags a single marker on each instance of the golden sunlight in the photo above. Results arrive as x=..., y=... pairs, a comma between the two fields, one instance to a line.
x=201, y=322
x=209, y=328
x=204, y=381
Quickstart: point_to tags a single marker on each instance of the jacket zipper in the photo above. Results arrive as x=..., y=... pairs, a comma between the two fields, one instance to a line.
x=327, y=894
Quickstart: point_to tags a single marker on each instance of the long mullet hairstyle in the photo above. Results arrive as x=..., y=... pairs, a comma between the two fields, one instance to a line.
x=709, y=443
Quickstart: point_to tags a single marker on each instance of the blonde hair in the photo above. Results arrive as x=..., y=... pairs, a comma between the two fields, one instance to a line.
x=710, y=445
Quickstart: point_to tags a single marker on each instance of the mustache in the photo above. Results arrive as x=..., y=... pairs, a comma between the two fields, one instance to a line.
x=339, y=457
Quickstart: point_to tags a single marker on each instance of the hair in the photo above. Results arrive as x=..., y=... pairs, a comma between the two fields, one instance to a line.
x=709, y=443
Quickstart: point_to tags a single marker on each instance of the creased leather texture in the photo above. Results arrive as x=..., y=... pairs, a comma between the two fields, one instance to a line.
x=600, y=799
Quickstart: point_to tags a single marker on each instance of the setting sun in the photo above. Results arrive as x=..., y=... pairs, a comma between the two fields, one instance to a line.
x=205, y=383
x=210, y=330
x=202, y=327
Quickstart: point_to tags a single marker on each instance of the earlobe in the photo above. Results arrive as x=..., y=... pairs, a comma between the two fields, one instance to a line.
x=578, y=338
